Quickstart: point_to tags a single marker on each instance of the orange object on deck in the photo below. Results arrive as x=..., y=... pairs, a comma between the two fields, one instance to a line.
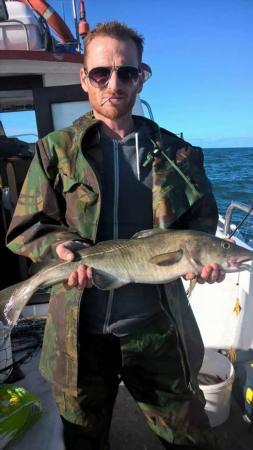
x=52, y=17
x=83, y=26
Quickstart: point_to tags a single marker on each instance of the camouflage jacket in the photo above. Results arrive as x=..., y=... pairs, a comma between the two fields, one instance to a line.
x=61, y=200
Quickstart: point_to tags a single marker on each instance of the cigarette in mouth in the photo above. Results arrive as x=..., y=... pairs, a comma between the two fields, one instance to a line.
x=105, y=100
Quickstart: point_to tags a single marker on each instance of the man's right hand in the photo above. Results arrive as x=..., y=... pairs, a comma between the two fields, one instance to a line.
x=82, y=277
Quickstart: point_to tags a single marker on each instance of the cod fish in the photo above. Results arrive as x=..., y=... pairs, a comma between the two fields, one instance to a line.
x=151, y=256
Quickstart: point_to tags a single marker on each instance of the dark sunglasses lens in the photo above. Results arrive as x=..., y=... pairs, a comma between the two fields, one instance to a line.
x=99, y=76
x=127, y=74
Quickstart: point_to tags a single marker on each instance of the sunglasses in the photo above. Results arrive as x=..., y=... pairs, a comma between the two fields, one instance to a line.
x=99, y=76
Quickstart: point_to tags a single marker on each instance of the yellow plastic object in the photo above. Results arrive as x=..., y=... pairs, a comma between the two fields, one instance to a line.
x=249, y=396
x=19, y=410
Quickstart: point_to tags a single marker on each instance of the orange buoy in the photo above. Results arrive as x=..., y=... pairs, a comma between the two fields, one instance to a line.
x=52, y=17
x=83, y=26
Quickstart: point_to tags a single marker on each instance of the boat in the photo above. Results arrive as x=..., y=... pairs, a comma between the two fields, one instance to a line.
x=40, y=72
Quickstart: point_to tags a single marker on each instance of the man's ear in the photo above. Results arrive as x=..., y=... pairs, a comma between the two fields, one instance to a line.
x=140, y=86
x=83, y=79
x=146, y=73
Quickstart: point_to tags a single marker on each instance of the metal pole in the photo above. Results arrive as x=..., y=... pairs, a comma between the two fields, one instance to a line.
x=76, y=26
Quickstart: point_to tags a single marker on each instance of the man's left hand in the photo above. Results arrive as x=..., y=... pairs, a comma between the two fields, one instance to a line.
x=210, y=273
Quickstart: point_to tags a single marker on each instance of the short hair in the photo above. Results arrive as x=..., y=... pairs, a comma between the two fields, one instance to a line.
x=118, y=30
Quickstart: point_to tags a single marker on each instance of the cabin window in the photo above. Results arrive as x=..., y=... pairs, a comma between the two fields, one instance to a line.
x=65, y=113
x=20, y=125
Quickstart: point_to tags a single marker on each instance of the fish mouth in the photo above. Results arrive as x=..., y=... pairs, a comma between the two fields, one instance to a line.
x=239, y=264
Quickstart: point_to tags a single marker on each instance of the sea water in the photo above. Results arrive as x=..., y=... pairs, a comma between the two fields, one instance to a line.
x=231, y=173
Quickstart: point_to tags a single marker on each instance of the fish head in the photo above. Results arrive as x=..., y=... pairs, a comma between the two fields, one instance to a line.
x=207, y=249
x=235, y=256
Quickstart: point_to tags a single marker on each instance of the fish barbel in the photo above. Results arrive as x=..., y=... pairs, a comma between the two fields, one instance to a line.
x=150, y=256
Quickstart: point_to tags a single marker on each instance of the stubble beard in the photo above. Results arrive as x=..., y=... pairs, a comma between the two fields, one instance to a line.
x=112, y=112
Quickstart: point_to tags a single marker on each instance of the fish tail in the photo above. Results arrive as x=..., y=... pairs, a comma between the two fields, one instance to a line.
x=12, y=301
x=191, y=287
x=5, y=295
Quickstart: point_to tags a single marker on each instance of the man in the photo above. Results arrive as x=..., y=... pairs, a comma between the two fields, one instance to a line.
x=106, y=177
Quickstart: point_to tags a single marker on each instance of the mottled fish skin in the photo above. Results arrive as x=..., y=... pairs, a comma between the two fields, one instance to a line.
x=151, y=256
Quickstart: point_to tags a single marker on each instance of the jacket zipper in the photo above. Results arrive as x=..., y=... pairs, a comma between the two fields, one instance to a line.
x=116, y=189
x=115, y=224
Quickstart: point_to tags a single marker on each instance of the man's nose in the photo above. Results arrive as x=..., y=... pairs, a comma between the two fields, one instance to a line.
x=114, y=81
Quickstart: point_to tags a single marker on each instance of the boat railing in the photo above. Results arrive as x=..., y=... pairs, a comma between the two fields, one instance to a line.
x=151, y=115
x=23, y=134
x=7, y=22
x=228, y=217
x=144, y=102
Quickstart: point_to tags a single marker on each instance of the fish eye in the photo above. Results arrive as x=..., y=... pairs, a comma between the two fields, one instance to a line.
x=225, y=245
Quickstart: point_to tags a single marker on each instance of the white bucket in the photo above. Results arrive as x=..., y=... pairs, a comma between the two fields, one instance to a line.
x=218, y=395
x=5, y=353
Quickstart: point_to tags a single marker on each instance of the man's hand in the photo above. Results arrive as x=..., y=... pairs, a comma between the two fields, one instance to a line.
x=210, y=273
x=82, y=277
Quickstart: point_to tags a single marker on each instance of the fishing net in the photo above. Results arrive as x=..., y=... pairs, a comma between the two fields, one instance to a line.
x=6, y=362
x=18, y=346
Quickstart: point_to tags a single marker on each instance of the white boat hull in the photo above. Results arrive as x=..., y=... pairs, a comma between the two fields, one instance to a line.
x=224, y=311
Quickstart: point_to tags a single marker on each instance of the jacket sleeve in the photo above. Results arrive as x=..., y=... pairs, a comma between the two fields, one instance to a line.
x=199, y=215
x=203, y=216
x=38, y=224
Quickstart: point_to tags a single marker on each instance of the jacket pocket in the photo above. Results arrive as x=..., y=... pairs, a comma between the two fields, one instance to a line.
x=79, y=199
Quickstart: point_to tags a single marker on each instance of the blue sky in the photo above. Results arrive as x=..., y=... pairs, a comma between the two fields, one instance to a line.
x=200, y=52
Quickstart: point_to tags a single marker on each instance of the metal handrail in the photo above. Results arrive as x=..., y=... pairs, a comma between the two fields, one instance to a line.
x=144, y=102
x=234, y=205
x=22, y=24
x=23, y=134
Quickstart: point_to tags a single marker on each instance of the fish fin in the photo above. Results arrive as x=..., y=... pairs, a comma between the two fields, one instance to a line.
x=191, y=287
x=147, y=233
x=196, y=265
x=106, y=281
x=167, y=259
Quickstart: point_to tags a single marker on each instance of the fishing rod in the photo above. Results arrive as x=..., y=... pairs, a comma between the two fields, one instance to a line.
x=242, y=221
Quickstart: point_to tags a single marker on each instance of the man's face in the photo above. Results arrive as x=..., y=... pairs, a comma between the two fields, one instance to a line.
x=104, y=51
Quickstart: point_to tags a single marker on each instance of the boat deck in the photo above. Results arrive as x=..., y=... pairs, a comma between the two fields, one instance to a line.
x=129, y=429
